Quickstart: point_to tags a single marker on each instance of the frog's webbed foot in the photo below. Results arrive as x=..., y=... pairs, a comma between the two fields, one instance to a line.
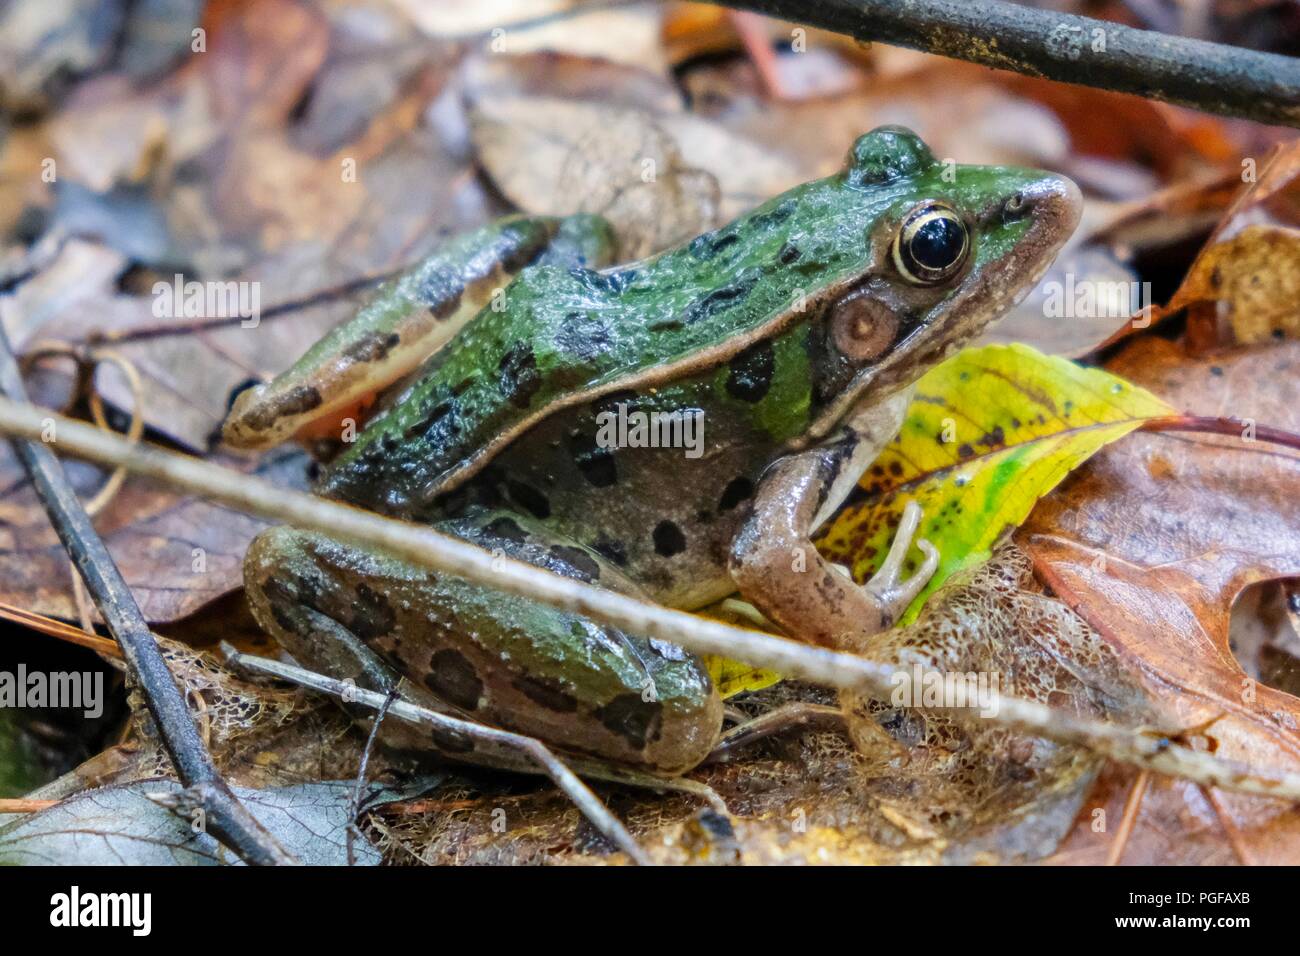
x=886, y=586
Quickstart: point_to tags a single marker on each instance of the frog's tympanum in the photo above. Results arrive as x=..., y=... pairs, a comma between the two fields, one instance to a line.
x=674, y=429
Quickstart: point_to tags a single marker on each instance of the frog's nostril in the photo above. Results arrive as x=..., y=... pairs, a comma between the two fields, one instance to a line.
x=1016, y=206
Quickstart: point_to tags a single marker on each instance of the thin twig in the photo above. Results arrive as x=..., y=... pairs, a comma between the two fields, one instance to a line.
x=537, y=752
x=24, y=805
x=296, y=304
x=1131, y=807
x=1248, y=432
x=364, y=766
x=228, y=819
x=1207, y=76
x=59, y=629
x=423, y=546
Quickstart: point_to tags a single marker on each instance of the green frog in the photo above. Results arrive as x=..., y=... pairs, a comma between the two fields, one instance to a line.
x=674, y=429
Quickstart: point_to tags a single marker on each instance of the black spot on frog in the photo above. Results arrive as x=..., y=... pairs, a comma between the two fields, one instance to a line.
x=613, y=551
x=582, y=335
x=737, y=490
x=453, y=678
x=529, y=498
x=520, y=379
x=373, y=347
x=441, y=291
x=596, y=464
x=507, y=529
x=299, y=399
x=636, y=720
x=668, y=539
x=751, y=372
x=546, y=693
x=706, y=247
x=577, y=560
x=723, y=297
x=371, y=615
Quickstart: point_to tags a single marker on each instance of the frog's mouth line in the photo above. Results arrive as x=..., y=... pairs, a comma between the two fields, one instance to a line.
x=1055, y=205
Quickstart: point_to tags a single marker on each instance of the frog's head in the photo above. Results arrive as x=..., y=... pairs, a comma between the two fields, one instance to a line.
x=948, y=249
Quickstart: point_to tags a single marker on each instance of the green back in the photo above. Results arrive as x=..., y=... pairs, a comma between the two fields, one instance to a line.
x=557, y=331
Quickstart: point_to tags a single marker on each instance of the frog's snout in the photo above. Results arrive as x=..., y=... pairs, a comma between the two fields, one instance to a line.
x=1055, y=203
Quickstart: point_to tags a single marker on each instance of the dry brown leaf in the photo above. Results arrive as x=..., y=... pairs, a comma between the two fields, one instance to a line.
x=550, y=155
x=659, y=178
x=1079, y=266
x=1154, y=538
x=1244, y=287
x=176, y=553
x=566, y=76
x=956, y=110
x=247, y=188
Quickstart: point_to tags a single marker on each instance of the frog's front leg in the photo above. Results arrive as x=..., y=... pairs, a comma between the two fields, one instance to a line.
x=777, y=568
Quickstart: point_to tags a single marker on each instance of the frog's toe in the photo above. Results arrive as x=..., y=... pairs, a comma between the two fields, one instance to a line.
x=886, y=587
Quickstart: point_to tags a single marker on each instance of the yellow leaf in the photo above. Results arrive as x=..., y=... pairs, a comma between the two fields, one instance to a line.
x=988, y=433
x=732, y=677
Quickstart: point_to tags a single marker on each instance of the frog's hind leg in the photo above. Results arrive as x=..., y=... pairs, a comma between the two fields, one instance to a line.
x=321, y=627
x=485, y=655
x=405, y=322
x=776, y=721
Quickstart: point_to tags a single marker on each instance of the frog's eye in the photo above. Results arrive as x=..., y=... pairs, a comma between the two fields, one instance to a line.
x=931, y=245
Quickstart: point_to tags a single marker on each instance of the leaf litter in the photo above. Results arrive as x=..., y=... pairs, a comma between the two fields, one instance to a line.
x=229, y=166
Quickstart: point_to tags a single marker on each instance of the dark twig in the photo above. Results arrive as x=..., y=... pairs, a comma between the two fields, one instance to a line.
x=1206, y=76
x=227, y=818
x=1247, y=431
x=300, y=303
x=361, y=770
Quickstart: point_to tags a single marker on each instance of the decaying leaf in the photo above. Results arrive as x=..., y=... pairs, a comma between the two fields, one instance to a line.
x=987, y=790
x=177, y=553
x=128, y=825
x=629, y=36
x=1156, y=536
x=660, y=179
x=1049, y=318
x=242, y=191
x=1244, y=285
x=546, y=154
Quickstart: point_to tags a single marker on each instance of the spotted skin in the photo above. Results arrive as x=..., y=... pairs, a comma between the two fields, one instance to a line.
x=793, y=336
x=587, y=689
x=692, y=308
x=407, y=320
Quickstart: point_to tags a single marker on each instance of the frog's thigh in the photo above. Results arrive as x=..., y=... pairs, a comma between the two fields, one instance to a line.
x=404, y=323
x=300, y=603
x=493, y=657
x=777, y=568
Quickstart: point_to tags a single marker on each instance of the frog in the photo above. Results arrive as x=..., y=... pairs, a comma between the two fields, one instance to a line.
x=524, y=392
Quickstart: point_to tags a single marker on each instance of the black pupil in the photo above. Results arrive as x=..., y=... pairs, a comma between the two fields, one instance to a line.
x=938, y=243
